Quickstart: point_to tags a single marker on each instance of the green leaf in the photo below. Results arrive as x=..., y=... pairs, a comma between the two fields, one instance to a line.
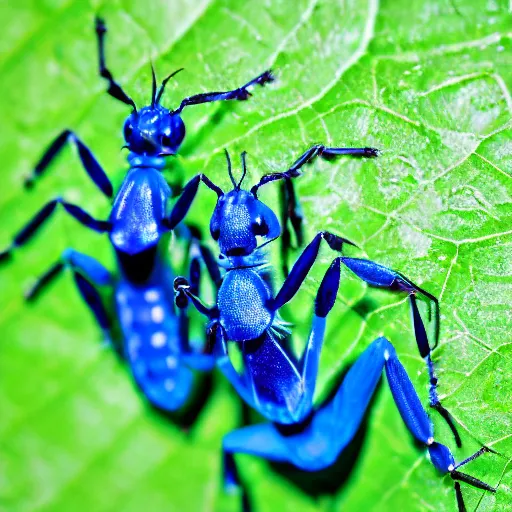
x=426, y=81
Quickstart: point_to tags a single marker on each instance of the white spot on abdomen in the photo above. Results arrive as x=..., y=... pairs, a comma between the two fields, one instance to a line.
x=151, y=295
x=158, y=339
x=157, y=314
x=169, y=385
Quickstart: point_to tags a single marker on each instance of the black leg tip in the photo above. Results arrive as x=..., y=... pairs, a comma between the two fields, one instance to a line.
x=267, y=77
x=449, y=421
x=489, y=450
x=336, y=242
x=372, y=152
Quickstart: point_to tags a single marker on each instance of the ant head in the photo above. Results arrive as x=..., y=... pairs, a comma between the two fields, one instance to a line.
x=239, y=218
x=154, y=130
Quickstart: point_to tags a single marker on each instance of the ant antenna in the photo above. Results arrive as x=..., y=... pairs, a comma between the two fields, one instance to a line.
x=164, y=83
x=230, y=172
x=114, y=89
x=244, y=169
x=153, y=86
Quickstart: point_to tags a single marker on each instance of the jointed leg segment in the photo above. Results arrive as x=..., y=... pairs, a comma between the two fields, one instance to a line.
x=27, y=232
x=240, y=94
x=303, y=265
x=89, y=162
x=383, y=277
x=114, y=89
x=86, y=271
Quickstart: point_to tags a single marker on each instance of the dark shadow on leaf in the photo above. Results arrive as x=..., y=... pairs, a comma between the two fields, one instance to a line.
x=188, y=415
x=365, y=306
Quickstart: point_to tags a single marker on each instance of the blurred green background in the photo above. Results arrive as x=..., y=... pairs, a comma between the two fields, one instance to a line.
x=427, y=81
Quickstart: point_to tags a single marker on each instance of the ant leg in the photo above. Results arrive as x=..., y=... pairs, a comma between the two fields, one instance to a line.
x=383, y=277
x=291, y=211
x=86, y=270
x=413, y=415
x=286, y=238
x=193, y=235
x=289, y=399
x=302, y=267
x=193, y=359
x=26, y=233
x=419, y=424
x=334, y=425
x=421, y=337
x=324, y=302
x=318, y=150
x=261, y=440
x=475, y=455
x=186, y=198
x=89, y=162
x=185, y=291
x=240, y=94
x=406, y=398
x=211, y=265
x=114, y=89
x=380, y=276
x=442, y=459
x=351, y=400
x=183, y=295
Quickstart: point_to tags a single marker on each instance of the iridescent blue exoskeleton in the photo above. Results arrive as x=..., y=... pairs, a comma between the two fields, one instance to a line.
x=273, y=381
x=155, y=336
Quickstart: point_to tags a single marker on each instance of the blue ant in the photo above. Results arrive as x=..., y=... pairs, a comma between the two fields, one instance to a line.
x=155, y=338
x=273, y=382
x=238, y=220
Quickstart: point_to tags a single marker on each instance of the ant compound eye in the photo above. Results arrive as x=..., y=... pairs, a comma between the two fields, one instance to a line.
x=128, y=130
x=166, y=141
x=260, y=227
